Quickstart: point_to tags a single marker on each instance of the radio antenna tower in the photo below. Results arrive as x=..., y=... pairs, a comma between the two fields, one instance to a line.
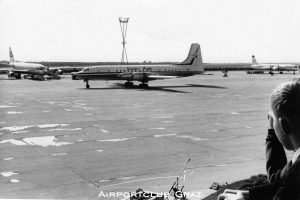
x=123, y=25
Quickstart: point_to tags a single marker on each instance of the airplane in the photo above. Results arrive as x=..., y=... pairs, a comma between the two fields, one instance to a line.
x=273, y=67
x=32, y=70
x=192, y=65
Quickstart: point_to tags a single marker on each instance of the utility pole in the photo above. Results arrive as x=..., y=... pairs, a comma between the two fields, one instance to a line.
x=123, y=25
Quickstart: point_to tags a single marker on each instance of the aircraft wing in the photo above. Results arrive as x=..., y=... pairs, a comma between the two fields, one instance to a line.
x=54, y=71
x=159, y=77
x=4, y=68
x=68, y=69
x=21, y=71
x=138, y=76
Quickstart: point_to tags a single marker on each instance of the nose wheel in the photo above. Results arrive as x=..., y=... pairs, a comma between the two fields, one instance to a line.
x=87, y=84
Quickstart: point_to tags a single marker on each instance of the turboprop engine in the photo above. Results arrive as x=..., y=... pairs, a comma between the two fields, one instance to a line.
x=138, y=76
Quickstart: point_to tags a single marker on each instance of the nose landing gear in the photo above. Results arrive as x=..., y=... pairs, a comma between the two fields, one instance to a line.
x=87, y=84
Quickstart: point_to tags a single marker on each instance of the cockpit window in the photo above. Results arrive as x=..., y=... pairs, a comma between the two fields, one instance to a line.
x=86, y=69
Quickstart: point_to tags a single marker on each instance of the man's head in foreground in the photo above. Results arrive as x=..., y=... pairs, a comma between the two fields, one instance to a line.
x=284, y=119
x=285, y=105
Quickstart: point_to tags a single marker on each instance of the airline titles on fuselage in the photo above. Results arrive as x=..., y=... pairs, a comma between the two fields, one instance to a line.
x=137, y=69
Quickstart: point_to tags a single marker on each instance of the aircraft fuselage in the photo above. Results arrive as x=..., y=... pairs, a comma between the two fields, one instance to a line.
x=28, y=68
x=118, y=72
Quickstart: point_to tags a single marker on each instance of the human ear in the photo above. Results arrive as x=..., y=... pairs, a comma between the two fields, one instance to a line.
x=285, y=126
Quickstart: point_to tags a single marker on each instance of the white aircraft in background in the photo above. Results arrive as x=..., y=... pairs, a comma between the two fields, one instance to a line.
x=32, y=70
x=273, y=66
x=192, y=65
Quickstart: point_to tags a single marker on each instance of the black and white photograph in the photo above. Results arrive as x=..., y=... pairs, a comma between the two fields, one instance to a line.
x=150, y=99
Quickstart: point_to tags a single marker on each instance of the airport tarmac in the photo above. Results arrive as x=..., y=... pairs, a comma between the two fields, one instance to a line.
x=60, y=140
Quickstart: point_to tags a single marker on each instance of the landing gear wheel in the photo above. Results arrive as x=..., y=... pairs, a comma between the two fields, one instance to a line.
x=87, y=84
x=143, y=85
x=128, y=84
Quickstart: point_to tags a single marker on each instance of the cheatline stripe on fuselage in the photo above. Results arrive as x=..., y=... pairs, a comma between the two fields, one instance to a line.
x=115, y=75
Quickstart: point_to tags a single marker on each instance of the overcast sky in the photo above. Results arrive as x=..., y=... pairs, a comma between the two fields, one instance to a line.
x=158, y=30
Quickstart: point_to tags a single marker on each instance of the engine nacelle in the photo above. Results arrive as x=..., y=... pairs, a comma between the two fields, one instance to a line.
x=139, y=77
x=142, y=76
x=126, y=76
x=275, y=67
x=11, y=74
x=60, y=71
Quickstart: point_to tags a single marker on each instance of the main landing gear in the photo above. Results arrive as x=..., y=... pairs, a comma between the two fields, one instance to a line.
x=87, y=84
x=128, y=84
x=13, y=75
x=34, y=77
x=143, y=85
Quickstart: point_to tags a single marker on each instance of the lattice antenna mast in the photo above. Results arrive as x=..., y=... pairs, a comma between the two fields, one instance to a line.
x=123, y=25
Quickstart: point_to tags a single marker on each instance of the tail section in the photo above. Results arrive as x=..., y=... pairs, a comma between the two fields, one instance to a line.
x=11, y=56
x=194, y=57
x=254, y=62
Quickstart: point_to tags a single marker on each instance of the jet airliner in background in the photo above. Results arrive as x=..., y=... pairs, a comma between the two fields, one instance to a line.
x=192, y=65
x=273, y=66
x=32, y=70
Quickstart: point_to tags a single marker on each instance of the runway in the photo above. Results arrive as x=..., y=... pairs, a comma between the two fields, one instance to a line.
x=59, y=140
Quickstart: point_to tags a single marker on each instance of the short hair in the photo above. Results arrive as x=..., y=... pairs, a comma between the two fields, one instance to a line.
x=285, y=101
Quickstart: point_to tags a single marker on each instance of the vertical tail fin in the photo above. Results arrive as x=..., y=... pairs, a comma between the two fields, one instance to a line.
x=11, y=56
x=194, y=57
x=254, y=62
